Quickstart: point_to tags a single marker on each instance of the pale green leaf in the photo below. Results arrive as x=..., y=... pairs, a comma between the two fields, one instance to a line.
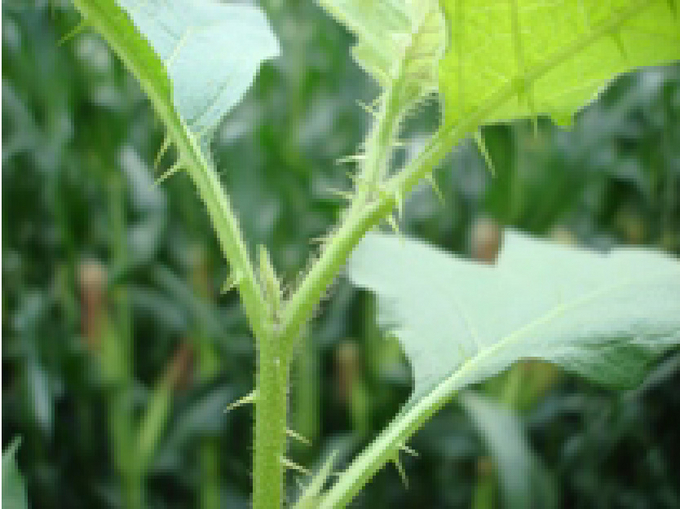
x=13, y=488
x=194, y=59
x=211, y=52
x=605, y=316
x=522, y=58
x=523, y=479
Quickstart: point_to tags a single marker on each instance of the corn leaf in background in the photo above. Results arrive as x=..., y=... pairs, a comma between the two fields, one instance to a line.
x=13, y=489
x=524, y=480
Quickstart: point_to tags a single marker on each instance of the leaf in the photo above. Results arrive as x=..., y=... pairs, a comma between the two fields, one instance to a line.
x=13, y=488
x=523, y=58
x=524, y=480
x=194, y=59
x=603, y=316
x=398, y=42
x=211, y=51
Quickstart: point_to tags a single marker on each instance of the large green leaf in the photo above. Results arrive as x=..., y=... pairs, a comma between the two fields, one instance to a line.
x=519, y=58
x=13, y=489
x=605, y=316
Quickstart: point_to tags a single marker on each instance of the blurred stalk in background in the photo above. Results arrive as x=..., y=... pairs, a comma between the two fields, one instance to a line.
x=208, y=369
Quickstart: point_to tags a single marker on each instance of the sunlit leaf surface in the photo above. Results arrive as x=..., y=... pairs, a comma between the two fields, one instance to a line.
x=551, y=56
x=604, y=316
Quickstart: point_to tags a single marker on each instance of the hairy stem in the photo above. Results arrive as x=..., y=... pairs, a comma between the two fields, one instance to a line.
x=378, y=150
x=270, y=426
x=126, y=41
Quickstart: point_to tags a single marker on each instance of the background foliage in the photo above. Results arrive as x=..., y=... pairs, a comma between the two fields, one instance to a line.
x=112, y=317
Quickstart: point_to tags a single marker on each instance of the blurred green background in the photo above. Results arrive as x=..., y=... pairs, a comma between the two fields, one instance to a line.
x=119, y=355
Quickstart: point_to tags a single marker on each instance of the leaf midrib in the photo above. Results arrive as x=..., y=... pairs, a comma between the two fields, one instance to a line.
x=415, y=412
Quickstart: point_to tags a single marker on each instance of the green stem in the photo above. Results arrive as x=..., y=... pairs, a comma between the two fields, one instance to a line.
x=126, y=41
x=364, y=216
x=120, y=405
x=379, y=146
x=270, y=426
x=210, y=474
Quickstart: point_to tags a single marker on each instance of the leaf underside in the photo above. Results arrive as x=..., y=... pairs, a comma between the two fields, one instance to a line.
x=211, y=52
x=602, y=316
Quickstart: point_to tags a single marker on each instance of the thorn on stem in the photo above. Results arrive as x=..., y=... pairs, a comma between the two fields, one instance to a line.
x=245, y=400
x=367, y=109
x=408, y=450
x=479, y=140
x=399, y=199
x=232, y=281
x=75, y=31
x=351, y=158
x=394, y=225
x=433, y=183
x=162, y=151
x=400, y=469
x=347, y=195
x=297, y=436
x=169, y=172
x=291, y=465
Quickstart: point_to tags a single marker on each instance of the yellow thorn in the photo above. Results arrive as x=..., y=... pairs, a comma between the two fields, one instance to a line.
x=351, y=158
x=232, y=281
x=356, y=178
x=382, y=75
x=408, y=450
x=297, y=436
x=430, y=178
x=367, y=108
x=161, y=151
x=309, y=496
x=347, y=195
x=245, y=400
x=291, y=465
x=318, y=240
x=399, y=199
x=393, y=223
x=400, y=469
x=75, y=31
x=485, y=152
x=169, y=173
